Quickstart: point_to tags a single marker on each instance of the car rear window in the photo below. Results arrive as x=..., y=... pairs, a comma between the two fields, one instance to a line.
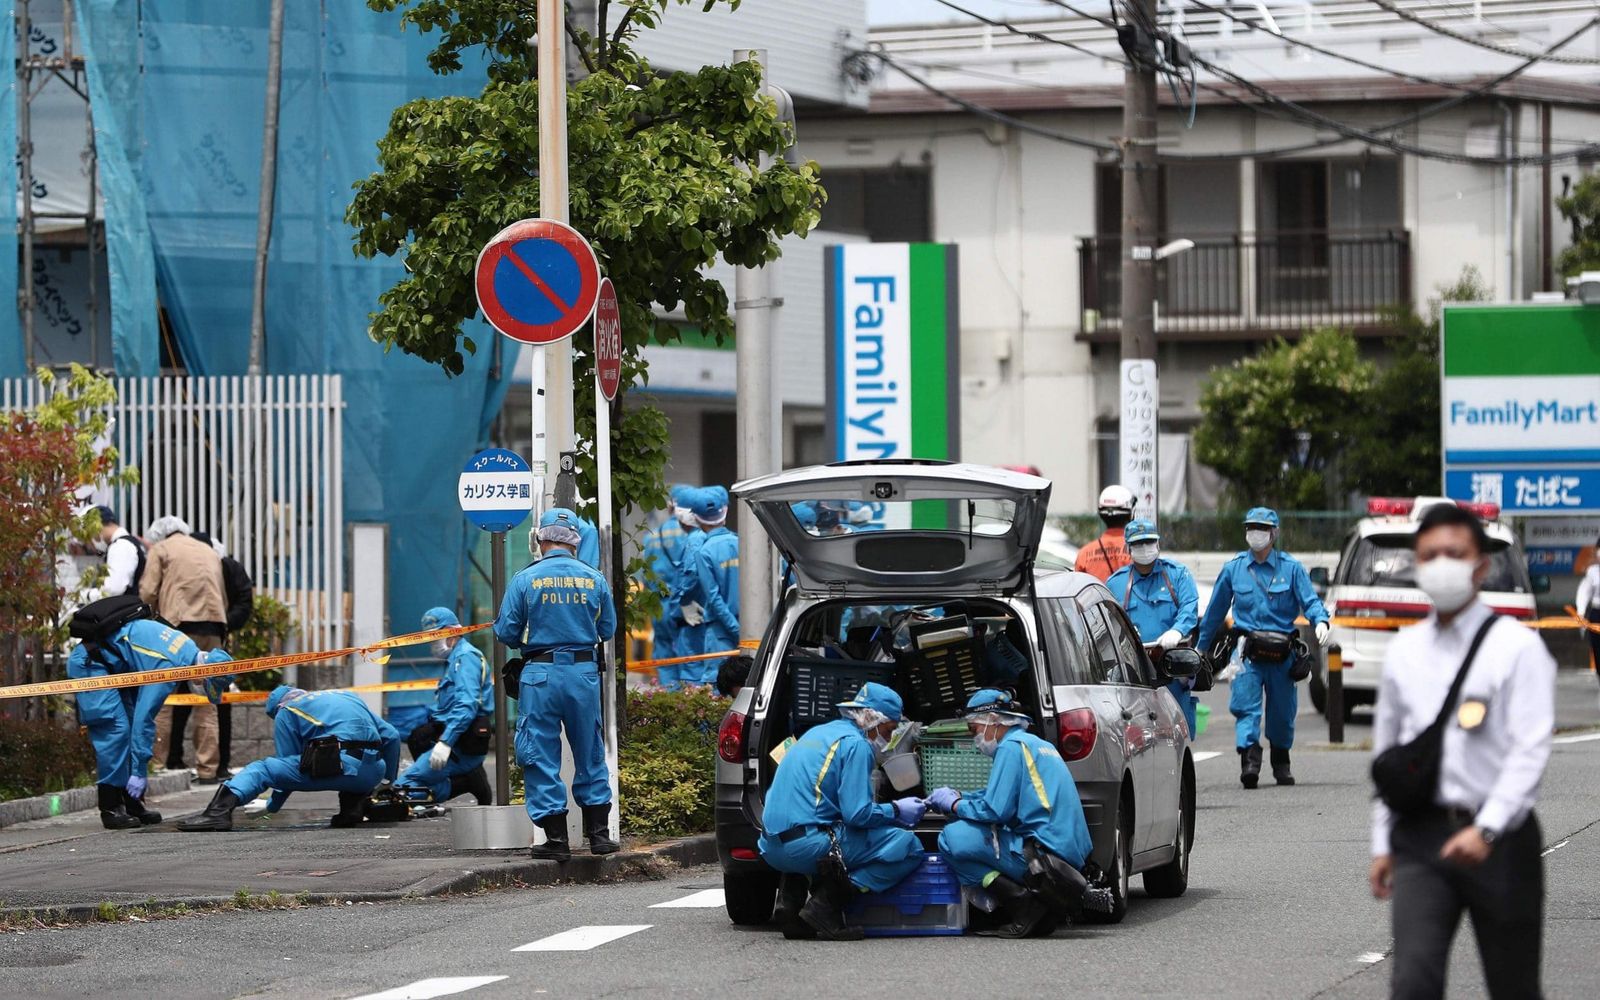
x=1388, y=561
x=826, y=518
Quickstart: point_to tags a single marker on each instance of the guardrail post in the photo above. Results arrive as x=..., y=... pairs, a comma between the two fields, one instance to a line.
x=1335, y=694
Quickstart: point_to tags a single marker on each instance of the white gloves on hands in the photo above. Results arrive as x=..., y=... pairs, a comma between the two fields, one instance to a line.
x=439, y=756
x=1323, y=633
x=693, y=613
x=1169, y=639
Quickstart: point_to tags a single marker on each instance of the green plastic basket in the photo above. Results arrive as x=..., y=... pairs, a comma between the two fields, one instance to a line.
x=953, y=764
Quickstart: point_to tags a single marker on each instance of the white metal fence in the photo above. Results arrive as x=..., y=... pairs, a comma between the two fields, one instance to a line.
x=257, y=462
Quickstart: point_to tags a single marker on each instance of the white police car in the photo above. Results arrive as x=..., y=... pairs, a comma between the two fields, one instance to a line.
x=1375, y=580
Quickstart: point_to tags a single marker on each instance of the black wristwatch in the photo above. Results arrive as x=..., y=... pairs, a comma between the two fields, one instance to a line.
x=1489, y=836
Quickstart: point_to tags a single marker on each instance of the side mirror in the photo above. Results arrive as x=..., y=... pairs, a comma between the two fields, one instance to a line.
x=1319, y=576
x=1180, y=663
x=1541, y=584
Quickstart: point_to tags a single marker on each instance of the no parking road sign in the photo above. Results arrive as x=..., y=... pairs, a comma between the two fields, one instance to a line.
x=537, y=281
x=496, y=489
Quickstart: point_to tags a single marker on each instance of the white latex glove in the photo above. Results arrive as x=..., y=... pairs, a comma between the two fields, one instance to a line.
x=439, y=756
x=1169, y=639
x=1323, y=632
x=693, y=613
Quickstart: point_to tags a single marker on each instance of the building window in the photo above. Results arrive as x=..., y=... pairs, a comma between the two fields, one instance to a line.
x=1193, y=199
x=885, y=206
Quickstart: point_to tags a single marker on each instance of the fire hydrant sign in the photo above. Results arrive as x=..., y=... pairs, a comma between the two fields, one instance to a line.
x=496, y=489
x=537, y=281
x=608, y=341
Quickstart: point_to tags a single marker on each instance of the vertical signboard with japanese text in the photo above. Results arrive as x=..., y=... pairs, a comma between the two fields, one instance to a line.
x=1520, y=407
x=893, y=356
x=1140, y=471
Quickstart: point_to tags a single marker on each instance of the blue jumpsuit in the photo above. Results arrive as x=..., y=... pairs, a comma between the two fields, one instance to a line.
x=1265, y=596
x=122, y=721
x=717, y=565
x=1030, y=794
x=316, y=715
x=588, y=543
x=556, y=612
x=663, y=549
x=691, y=639
x=465, y=692
x=825, y=783
x=1163, y=599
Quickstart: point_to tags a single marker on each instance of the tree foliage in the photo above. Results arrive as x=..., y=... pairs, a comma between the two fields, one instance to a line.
x=665, y=178
x=1581, y=207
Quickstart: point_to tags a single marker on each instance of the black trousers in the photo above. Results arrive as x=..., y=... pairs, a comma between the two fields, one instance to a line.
x=1504, y=896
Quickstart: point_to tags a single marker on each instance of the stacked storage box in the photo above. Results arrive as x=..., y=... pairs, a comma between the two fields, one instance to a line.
x=927, y=902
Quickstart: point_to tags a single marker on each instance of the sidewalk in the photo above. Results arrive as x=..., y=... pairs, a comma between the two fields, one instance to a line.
x=69, y=864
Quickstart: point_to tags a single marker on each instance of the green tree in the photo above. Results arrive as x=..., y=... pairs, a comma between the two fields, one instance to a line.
x=1395, y=450
x=1273, y=425
x=665, y=178
x=1581, y=207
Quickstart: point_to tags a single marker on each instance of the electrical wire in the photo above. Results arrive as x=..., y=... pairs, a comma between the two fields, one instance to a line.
x=1461, y=36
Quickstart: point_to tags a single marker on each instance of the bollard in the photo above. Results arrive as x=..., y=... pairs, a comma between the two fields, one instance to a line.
x=1335, y=694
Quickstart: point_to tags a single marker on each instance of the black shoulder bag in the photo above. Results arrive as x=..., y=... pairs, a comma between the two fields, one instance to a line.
x=1407, y=775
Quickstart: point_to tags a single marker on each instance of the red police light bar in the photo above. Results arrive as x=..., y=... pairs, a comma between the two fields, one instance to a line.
x=1486, y=511
x=1386, y=506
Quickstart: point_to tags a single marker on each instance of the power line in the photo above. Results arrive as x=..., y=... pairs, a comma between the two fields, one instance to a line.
x=1460, y=36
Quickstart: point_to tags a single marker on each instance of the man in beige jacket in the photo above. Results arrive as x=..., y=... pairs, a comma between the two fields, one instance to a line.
x=182, y=582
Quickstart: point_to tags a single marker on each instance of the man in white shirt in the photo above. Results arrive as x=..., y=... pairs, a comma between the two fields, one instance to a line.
x=1478, y=850
x=125, y=556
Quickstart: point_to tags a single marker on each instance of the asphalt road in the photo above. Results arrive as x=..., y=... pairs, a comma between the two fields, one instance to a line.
x=1277, y=908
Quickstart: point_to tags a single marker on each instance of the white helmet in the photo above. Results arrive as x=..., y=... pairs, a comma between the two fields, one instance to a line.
x=1116, y=497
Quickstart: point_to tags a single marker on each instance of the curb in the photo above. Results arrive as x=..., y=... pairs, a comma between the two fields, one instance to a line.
x=80, y=799
x=582, y=869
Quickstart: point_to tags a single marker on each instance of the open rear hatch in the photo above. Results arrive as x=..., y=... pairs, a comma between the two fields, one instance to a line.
x=910, y=527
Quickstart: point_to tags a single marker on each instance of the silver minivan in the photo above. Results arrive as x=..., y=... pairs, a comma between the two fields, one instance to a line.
x=950, y=547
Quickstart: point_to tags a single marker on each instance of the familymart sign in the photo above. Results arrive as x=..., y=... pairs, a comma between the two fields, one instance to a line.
x=1520, y=411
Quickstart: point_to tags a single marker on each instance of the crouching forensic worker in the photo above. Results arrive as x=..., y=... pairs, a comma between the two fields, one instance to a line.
x=451, y=746
x=1023, y=838
x=326, y=741
x=820, y=820
x=122, y=721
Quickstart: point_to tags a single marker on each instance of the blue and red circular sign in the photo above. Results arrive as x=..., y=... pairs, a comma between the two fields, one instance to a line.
x=537, y=281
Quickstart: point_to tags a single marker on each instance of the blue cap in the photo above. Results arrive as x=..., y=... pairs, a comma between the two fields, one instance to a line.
x=717, y=493
x=996, y=701
x=439, y=618
x=558, y=515
x=680, y=493
x=710, y=504
x=1141, y=530
x=281, y=694
x=877, y=697
x=1261, y=515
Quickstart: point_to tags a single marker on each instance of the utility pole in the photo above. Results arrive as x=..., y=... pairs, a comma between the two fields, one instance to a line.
x=759, y=408
x=269, y=183
x=1140, y=190
x=552, y=405
x=25, y=303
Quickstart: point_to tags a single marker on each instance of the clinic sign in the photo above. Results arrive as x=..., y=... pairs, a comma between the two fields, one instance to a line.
x=1520, y=406
x=893, y=351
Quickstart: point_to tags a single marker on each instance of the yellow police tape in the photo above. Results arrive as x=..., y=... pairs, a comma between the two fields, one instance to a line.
x=645, y=666
x=1390, y=624
x=204, y=670
x=257, y=697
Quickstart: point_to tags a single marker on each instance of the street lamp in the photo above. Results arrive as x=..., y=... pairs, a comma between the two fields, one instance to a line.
x=1175, y=247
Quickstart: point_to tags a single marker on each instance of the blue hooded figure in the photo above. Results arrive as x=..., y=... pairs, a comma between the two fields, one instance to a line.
x=453, y=765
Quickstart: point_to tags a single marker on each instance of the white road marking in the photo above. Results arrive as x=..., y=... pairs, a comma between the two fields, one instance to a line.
x=1551, y=850
x=427, y=989
x=704, y=899
x=1206, y=755
x=1371, y=957
x=1585, y=738
x=583, y=938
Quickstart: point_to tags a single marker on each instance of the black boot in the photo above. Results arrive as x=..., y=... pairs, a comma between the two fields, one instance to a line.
x=113, y=812
x=791, y=899
x=555, y=846
x=136, y=809
x=1250, y=765
x=597, y=827
x=831, y=892
x=1280, y=766
x=1021, y=905
x=352, y=810
x=476, y=782
x=218, y=814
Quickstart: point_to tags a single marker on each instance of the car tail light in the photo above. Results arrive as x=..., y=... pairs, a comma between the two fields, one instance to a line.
x=1386, y=506
x=1485, y=511
x=1077, y=729
x=1513, y=612
x=1384, y=609
x=730, y=738
x=743, y=854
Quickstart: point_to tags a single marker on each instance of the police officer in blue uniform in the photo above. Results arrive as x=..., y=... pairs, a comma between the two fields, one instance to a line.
x=663, y=550
x=325, y=741
x=1267, y=590
x=557, y=612
x=122, y=721
x=465, y=693
x=1162, y=601
x=688, y=600
x=1031, y=796
x=820, y=820
x=717, y=566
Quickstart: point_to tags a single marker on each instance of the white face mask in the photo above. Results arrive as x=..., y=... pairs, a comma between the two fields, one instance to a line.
x=1144, y=553
x=440, y=648
x=1258, y=540
x=986, y=744
x=1448, y=582
x=879, y=742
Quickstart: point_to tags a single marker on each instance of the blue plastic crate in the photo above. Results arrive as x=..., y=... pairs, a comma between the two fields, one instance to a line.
x=927, y=902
